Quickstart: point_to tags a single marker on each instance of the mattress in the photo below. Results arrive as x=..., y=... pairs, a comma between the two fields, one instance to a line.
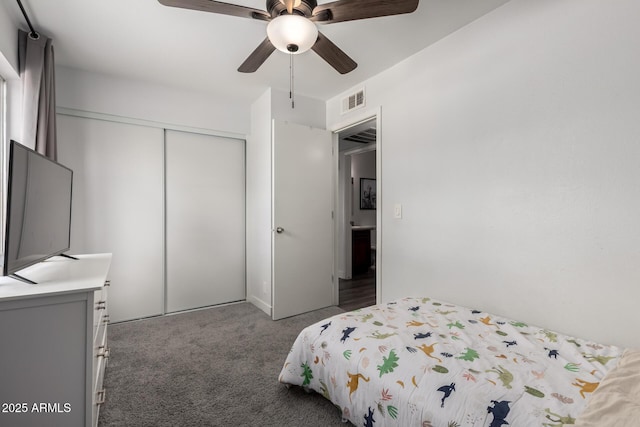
x=424, y=362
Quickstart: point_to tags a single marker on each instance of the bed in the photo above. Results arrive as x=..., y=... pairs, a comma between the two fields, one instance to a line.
x=423, y=362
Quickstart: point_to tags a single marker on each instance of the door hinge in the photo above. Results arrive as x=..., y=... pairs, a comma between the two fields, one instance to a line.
x=332, y=215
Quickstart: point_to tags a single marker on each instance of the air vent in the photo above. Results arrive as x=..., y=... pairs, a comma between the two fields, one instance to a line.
x=353, y=101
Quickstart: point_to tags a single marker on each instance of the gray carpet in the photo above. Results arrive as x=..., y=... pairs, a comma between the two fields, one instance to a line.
x=213, y=367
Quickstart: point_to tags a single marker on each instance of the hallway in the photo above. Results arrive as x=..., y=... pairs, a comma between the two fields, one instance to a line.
x=358, y=292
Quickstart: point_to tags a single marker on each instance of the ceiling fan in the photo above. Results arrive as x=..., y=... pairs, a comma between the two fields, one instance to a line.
x=292, y=26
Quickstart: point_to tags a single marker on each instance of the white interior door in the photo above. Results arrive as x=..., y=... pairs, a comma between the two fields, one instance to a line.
x=205, y=220
x=302, y=219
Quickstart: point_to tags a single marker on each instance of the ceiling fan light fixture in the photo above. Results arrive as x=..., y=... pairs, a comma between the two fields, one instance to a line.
x=292, y=33
x=296, y=3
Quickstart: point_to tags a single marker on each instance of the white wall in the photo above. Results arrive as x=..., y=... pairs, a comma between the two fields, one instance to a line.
x=259, y=204
x=307, y=111
x=513, y=146
x=94, y=92
x=363, y=165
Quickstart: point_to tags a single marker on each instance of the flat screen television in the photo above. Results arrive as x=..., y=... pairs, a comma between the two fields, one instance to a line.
x=38, y=224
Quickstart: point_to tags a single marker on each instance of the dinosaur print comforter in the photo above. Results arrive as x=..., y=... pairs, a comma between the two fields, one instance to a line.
x=422, y=362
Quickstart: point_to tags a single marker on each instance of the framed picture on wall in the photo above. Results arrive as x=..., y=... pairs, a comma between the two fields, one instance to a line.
x=367, y=194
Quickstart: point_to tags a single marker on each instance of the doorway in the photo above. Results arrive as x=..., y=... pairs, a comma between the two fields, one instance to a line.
x=357, y=215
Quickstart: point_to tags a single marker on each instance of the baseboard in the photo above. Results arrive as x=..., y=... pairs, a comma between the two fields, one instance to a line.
x=260, y=304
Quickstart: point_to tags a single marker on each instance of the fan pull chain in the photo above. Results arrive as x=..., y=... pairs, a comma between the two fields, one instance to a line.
x=291, y=80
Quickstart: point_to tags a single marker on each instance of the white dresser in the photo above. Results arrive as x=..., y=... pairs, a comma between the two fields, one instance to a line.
x=53, y=343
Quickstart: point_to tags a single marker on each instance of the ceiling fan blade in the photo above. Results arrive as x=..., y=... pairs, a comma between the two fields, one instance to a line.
x=333, y=55
x=219, y=7
x=257, y=57
x=350, y=10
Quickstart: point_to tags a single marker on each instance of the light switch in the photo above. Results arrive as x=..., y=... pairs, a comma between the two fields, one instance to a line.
x=397, y=211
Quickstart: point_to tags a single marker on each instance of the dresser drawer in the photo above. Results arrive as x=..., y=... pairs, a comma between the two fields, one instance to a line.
x=100, y=352
x=100, y=310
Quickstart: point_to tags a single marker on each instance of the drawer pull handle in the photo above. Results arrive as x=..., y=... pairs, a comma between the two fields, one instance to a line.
x=105, y=319
x=101, y=397
x=101, y=305
x=103, y=351
x=107, y=282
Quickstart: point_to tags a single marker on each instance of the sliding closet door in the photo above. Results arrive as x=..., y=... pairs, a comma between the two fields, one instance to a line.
x=205, y=220
x=118, y=206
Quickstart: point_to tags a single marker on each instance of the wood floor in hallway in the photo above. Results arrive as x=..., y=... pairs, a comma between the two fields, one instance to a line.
x=358, y=292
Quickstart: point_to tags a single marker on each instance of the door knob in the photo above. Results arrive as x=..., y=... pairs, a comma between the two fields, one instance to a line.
x=279, y=230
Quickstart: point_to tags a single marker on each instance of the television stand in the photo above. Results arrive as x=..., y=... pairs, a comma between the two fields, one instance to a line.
x=31, y=282
x=22, y=279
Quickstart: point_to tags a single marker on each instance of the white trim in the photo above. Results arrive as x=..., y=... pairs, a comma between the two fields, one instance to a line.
x=165, y=282
x=6, y=69
x=272, y=146
x=380, y=205
x=260, y=304
x=356, y=119
x=371, y=114
x=173, y=313
x=337, y=272
x=149, y=123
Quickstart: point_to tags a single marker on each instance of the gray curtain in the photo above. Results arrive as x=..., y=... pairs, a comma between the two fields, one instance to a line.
x=36, y=63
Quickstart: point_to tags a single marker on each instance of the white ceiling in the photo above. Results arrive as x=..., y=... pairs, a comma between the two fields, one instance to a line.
x=144, y=40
